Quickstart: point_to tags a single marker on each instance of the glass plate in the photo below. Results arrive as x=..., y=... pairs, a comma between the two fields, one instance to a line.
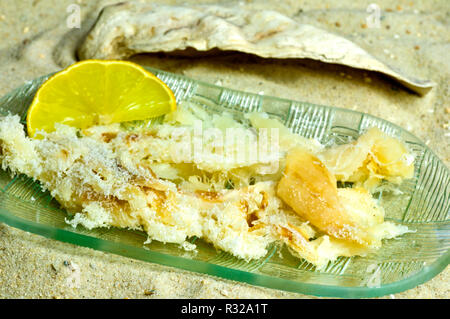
x=400, y=264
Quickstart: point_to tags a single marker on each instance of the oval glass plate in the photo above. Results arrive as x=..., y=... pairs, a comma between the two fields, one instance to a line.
x=423, y=205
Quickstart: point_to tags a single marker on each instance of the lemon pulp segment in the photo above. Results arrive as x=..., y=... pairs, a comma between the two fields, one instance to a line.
x=95, y=92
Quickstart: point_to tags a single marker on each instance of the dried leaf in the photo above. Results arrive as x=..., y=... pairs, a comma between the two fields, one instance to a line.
x=126, y=29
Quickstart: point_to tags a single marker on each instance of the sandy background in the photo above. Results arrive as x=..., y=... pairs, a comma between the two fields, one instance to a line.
x=413, y=36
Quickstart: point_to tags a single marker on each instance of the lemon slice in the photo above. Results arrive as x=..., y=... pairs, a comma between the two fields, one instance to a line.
x=97, y=92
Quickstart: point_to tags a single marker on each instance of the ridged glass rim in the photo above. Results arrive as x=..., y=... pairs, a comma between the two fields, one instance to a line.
x=202, y=267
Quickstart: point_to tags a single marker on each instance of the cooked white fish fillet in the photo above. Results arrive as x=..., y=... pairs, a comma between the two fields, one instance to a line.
x=111, y=176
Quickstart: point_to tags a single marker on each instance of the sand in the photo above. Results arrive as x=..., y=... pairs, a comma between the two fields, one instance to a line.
x=413, y=37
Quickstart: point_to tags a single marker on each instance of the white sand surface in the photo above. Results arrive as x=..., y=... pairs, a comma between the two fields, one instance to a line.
x=413, y=36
